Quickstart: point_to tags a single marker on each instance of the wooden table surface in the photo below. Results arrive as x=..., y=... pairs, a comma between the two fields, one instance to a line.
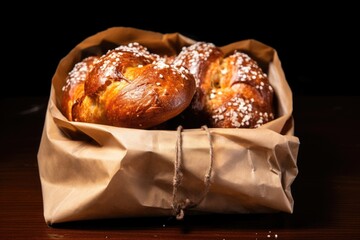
x=326, y=190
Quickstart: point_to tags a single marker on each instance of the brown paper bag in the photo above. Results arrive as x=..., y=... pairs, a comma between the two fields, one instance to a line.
x=93, y=171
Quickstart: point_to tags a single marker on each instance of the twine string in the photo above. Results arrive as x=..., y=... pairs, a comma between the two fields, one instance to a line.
x=177, y=172
x=180, y=206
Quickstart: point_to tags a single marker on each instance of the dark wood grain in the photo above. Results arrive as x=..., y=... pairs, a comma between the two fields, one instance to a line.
x=326, y=191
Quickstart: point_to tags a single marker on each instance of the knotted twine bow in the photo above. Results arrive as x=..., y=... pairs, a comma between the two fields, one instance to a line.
x=179, y=207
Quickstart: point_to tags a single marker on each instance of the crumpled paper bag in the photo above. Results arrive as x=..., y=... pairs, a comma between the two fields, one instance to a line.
x=92, y=171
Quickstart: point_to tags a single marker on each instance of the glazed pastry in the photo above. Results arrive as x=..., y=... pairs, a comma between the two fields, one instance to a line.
x=126, y=87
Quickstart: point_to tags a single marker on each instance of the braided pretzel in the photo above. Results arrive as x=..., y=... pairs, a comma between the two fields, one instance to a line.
x=232, y=91
x=126, y=87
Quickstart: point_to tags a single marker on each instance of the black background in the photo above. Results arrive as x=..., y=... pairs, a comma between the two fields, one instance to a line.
x=316, y=44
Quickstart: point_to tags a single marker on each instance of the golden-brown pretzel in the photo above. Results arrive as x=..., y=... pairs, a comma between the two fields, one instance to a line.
x=126, y=87
x=232, y=91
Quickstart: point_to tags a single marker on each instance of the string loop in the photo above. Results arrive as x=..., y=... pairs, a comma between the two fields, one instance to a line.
x=179, y=207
